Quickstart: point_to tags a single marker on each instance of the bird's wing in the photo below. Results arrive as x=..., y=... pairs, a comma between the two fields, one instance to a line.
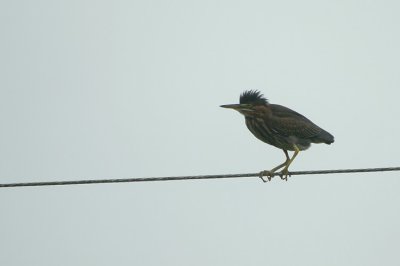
x=290, y=123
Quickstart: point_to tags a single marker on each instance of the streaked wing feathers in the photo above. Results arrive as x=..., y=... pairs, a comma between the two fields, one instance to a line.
x=290, y=123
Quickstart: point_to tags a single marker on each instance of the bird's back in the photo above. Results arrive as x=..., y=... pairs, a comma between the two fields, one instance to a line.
x=278, y=125
x=289, y=123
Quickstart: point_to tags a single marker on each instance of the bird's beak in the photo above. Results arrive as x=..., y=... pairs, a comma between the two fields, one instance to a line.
x=232, y=106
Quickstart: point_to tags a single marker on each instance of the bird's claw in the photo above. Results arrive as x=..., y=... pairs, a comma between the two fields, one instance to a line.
x=266, y=173
x=284, y=174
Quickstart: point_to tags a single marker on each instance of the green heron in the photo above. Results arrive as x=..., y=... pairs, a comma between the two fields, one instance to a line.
x=279, y=126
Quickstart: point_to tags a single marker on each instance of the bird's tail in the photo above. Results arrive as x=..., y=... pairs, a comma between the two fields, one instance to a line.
x=324, y=137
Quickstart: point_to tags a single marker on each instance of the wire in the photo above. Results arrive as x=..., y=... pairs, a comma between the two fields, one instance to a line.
x=172, y=178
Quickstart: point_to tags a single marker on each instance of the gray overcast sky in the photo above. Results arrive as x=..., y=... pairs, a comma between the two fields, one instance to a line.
x=118, y=89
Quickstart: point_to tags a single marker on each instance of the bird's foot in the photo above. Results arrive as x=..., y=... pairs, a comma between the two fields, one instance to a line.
x=267, y=174
x=284, y=174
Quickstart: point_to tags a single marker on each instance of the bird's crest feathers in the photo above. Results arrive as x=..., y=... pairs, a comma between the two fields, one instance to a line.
x=252, y=97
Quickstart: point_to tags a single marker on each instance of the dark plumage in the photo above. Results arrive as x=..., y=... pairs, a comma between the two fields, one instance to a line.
x=279, y=126
x=252, y=97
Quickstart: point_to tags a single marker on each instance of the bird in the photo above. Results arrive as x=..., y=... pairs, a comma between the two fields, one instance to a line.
x=278, y=126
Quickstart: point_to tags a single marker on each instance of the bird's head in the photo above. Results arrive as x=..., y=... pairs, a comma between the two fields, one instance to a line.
x=250, y=103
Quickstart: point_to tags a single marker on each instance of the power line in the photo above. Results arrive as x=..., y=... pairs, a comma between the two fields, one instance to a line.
x=173, y=178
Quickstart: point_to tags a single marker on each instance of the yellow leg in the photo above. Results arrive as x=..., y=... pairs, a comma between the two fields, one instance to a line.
x=285, y=170
x=269, y=173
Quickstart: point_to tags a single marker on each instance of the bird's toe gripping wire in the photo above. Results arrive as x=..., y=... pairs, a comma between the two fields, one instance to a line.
x=271, y=173
x=285, y=171
x=267, y=174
